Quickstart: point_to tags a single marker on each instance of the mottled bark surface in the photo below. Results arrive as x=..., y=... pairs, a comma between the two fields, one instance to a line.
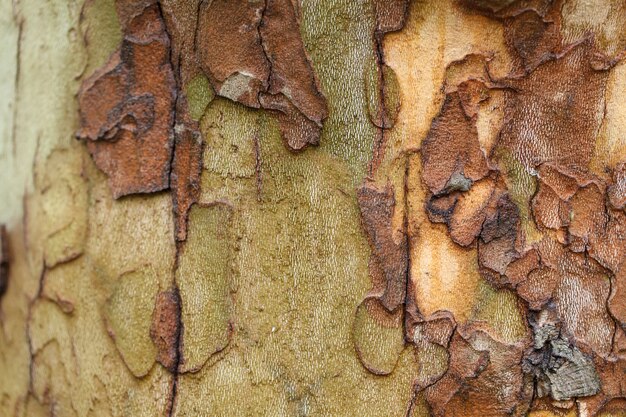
x=327, y=208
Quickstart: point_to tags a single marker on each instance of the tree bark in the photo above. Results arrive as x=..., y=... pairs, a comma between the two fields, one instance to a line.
x=326, y=208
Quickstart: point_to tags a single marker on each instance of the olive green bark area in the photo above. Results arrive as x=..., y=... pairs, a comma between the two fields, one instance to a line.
x=199, y=94
x=522, y=187
x=128, y=314
x=338, y=36
x=204, y=281
x=299, y=271
x=378, y=344
x=500, y=309
x=383, y=94
x=101, y=30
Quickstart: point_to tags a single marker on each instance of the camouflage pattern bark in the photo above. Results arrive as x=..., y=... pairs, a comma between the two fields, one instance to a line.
x=280, y=207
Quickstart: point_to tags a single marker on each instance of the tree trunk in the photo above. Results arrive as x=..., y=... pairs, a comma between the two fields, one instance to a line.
x=325, y=208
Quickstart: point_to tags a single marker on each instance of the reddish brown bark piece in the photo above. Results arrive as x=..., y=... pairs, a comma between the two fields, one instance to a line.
x=181, y=21
x=390, y=14
x=482, y=372
x=532, y=39
x=464, y=363
x=389, y=261
x=437, y=328
x=550, y=211
x=612, y=372
x=518, y=270
x=165, y=329
x=230, y=49
x=588, y=214
x=4, y=260
x=555, y=112
x=127, y=106
x=498, y=246
x=253, y=54
x=451, y=156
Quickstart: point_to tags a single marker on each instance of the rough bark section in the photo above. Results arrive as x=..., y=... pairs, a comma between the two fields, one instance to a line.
x=560, y=369
x=568, y=272
x=553, y=99
x=389, y=262
x=481, y=372
x=253, y=54
x=127, y=106
x=135, y=117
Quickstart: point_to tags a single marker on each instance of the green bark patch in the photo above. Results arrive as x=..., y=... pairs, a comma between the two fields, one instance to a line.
x=378, y=344
x=199, y=94
x=204, y=282
x=129, y=315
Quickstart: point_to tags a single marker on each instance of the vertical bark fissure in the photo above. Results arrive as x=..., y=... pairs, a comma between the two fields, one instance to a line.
x=176, y=130
x=408, y=246
x=178, y=347
x=176, y=98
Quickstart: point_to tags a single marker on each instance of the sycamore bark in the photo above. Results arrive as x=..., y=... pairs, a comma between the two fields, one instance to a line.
x=314, y=240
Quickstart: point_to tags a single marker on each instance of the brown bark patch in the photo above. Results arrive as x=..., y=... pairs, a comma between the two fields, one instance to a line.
x=482, y=372
x=127, y=106
x=166, y=327
x=617, y=190
x=253, y=54
x=389, y=261
x=451, y=155
x=390, y=14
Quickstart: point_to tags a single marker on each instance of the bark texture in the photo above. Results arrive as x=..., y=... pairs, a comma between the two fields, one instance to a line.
x=325, y=208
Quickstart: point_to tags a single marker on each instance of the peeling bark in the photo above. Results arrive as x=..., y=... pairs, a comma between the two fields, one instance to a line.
x=253, y=54
x=127, y=106
x=554, y=97
x=455, y=245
